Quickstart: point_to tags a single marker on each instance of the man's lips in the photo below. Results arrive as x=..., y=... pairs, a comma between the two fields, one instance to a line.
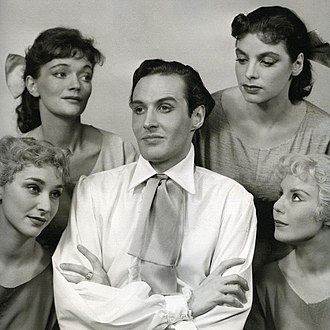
x=152, y=137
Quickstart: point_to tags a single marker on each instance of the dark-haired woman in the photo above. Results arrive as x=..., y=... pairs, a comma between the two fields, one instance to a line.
x=266, y=115
x=58, y=74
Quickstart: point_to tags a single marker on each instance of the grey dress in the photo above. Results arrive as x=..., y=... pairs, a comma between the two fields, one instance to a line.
x=219, y=149
x=29, y=306
x=277, y=306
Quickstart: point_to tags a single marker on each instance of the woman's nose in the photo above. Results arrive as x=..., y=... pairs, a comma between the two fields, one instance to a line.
x=74, y=82
x=279, y=205
x=251, y=71
x=44, y=203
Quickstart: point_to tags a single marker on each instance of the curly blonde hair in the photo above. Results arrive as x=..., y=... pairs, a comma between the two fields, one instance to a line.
x=17, y=152
x=315, y=166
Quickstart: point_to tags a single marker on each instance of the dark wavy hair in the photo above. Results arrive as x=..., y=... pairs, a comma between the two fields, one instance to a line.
x=58, y=42
x=273, y=25
x=18, y=152
x=196, y=93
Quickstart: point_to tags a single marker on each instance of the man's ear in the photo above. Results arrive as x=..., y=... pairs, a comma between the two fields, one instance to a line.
x=298, y=65
x=198, y=117
x=31, y=86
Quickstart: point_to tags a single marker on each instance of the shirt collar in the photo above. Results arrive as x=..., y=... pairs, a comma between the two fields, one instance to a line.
x=182, y=173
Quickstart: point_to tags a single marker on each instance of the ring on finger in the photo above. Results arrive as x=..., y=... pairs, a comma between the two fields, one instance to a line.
x=89, y=276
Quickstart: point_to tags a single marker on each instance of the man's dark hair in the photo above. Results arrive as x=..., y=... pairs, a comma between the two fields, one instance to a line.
x=196, y=93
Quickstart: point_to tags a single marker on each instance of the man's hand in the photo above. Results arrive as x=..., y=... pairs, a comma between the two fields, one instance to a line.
x=82, y=273
x=220, y=290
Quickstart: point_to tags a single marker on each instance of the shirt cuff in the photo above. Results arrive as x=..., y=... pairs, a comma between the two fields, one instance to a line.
x=177, y=308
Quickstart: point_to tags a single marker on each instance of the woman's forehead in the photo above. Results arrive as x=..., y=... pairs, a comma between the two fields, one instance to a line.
x=257, y=43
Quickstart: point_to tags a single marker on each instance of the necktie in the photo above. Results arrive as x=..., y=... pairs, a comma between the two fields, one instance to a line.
x=158, y=238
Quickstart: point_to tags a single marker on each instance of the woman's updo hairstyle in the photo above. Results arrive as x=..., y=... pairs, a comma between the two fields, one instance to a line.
x=273, y=25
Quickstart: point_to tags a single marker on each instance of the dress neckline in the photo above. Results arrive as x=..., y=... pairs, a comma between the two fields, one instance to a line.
x=270, y=148
x=295, y=292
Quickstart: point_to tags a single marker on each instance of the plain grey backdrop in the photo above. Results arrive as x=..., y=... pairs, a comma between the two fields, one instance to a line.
x=195, y=32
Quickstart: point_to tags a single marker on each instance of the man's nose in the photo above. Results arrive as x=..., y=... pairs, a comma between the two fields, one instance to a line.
x=150, y=119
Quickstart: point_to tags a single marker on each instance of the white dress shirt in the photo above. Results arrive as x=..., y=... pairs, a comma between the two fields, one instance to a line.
x=220, y=224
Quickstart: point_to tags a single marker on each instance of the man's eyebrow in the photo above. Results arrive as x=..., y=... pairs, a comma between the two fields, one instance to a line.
x=238, y=50
x=167, y=98
x=161, y=100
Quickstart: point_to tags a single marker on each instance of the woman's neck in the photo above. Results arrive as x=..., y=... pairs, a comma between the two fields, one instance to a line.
x=62, y=133
x=272, y=112
x=307, y=269
x=21, y=258
x=16, y=248
x=313, y=257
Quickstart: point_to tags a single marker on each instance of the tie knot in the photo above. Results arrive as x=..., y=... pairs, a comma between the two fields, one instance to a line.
x=161, y=177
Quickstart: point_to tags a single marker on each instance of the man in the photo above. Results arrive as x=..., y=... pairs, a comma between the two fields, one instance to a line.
x=136, y=274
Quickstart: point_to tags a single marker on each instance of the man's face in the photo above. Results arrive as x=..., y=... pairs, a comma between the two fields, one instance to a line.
x=161, y=121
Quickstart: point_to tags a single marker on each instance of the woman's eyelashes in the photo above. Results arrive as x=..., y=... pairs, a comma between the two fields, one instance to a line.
x=86, y=77
x=35, y=190
x=265, y=62
x=56, y=194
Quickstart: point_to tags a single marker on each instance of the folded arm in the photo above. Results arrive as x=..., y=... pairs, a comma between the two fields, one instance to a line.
x=236, y=240
x=98, y=305
x=83, y=304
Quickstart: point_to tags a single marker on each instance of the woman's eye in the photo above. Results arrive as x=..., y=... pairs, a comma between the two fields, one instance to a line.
x=60, y=74
x=34, y=189
x=86, y=77
x=267, y=62
x=56, y=194
x=296, y=198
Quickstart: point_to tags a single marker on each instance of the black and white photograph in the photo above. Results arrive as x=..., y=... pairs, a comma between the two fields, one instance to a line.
x=164, y=164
